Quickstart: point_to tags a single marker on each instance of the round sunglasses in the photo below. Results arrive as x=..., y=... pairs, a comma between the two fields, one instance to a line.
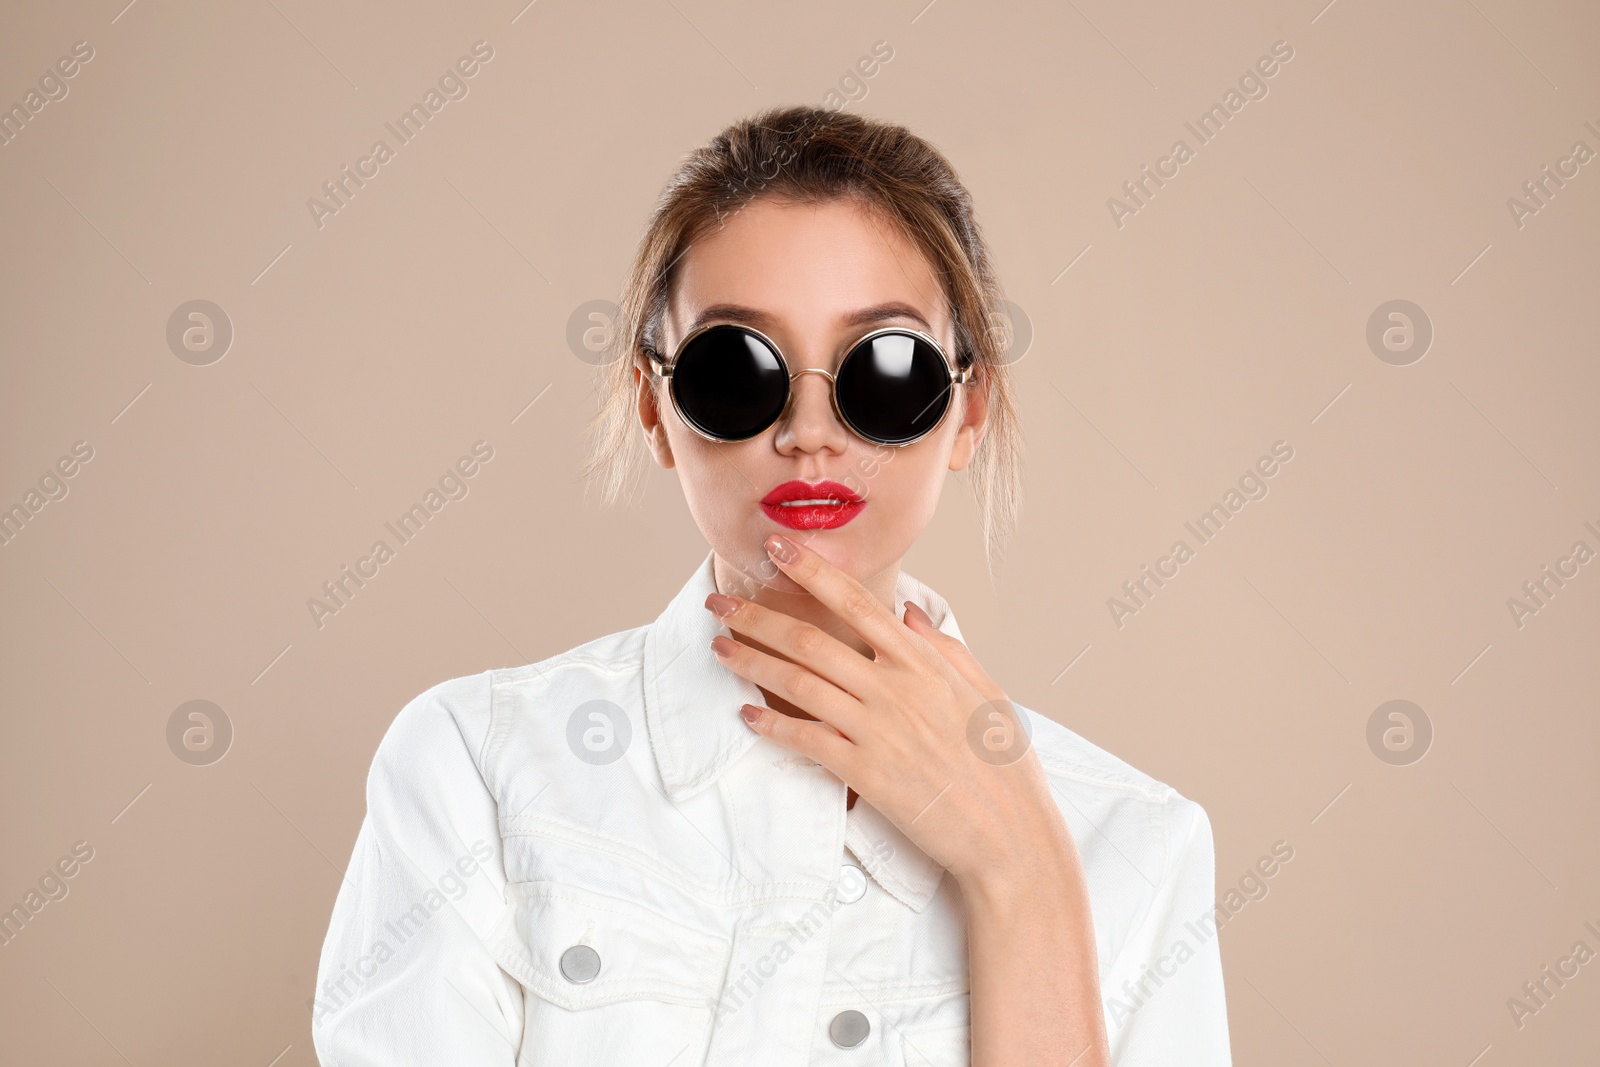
x=730, y=383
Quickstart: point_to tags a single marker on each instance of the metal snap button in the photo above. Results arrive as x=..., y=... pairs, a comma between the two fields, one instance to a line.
x=852, y=883
x=580, y=963
x=849, y=1028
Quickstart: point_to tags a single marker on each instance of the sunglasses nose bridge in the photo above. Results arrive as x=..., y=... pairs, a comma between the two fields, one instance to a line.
x=815, y=370
x=808, y=427
x=831, y=389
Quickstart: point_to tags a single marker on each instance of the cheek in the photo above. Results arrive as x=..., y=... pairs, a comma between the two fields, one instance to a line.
x=720, y=482
x=708, y=473
x=904, y=482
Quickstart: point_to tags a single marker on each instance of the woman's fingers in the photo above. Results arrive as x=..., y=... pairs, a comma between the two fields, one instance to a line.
x=845, y=597
x=802, y=642
x=813, y=740
x=797, y=684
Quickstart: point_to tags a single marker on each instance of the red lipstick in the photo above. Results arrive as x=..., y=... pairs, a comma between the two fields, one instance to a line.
x=812, y=505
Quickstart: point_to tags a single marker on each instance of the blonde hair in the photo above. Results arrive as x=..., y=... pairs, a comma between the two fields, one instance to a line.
x=815, y=155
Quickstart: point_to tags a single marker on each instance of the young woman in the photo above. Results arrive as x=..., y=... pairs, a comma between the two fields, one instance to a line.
x=793, y=820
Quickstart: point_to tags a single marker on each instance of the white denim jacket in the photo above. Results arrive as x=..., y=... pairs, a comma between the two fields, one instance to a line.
x=592, y=860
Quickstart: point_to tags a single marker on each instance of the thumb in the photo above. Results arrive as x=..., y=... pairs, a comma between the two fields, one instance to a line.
x=915, y=614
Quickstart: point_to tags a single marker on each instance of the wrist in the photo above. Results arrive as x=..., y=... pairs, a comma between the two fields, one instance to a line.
x=1042, y=867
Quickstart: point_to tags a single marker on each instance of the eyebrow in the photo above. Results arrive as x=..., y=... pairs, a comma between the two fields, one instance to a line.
x=750, y=316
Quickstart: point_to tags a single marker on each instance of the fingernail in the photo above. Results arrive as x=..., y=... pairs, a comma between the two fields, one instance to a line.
x=781, y=549
x=750, y=713
x=723, y=646
x=918, y=613
x=721, y=606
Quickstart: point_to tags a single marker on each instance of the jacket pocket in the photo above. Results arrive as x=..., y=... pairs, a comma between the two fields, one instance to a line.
x=607, y=980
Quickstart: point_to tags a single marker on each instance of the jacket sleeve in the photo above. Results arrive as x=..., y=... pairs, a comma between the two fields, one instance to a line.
x=1163, y=995
x=406, y=975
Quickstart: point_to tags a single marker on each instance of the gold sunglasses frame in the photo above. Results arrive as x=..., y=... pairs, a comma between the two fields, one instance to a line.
x=663, y=370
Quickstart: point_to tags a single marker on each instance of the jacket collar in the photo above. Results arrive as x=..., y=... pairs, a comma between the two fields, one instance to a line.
x=691, y=712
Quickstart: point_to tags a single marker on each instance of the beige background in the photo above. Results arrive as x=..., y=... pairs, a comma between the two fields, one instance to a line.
x=1229, y=313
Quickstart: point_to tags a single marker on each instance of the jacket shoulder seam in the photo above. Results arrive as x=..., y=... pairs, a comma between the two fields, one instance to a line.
x=1152, y=791
x=503, y=680
x=1163, y=815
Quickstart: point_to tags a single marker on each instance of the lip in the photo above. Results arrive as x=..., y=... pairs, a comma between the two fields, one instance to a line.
x=843, y=504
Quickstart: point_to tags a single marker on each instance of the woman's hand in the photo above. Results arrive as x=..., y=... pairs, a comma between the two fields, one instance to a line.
x=928, y=738
x=921, y=731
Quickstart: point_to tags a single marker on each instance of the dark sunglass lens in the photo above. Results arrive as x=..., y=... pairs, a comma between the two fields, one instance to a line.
x=894, y=387
x=729, y=384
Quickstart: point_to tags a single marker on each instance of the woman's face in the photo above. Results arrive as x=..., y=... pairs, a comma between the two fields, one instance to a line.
x=814, y=278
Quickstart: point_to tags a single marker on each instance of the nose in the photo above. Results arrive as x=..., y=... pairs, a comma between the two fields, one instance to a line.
x=810, y=424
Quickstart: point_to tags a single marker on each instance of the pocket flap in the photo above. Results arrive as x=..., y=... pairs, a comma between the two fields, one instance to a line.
x=642, y=953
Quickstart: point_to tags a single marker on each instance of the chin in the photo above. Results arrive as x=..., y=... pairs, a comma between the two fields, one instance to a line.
x=858, y=551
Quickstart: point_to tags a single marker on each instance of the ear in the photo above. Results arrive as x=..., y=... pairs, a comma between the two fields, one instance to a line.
x=655, y=433
x=974, y=418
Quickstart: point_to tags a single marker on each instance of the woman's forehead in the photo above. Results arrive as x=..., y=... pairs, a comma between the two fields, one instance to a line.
x=805, y=267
